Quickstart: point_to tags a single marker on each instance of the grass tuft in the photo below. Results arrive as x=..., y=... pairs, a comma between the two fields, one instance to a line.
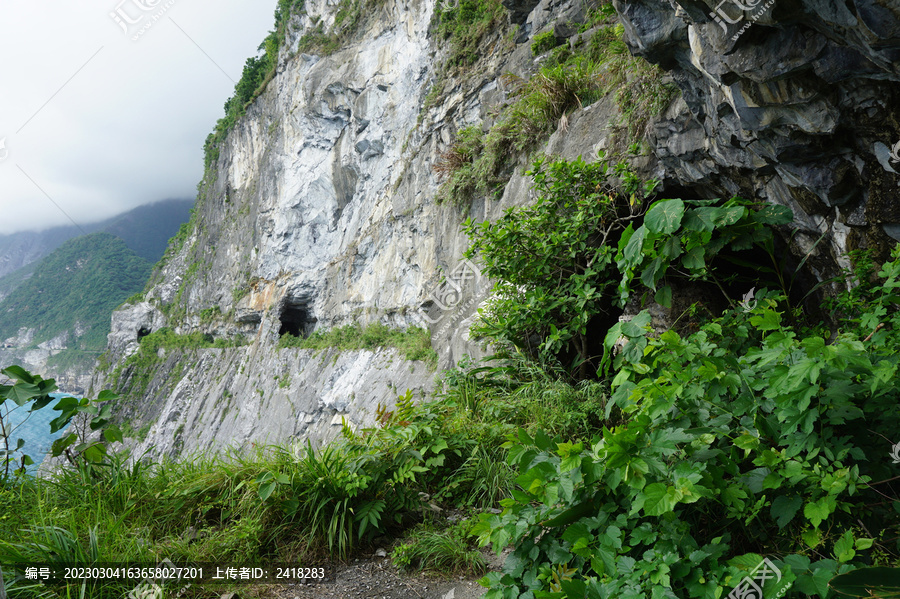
x=447, y=552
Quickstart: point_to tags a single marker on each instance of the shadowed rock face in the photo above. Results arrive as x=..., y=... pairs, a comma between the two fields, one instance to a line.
x=794, y=102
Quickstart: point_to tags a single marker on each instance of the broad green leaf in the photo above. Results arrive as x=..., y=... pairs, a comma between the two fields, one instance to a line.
x=769, y=320
x=818, y=511
x=747, y=442
x=868, y=582
x=653, y=272
x=19, y=374
x=22, y=393
x=266, y=489
x=723, y=217
x=862, y=544
x=664, y=217
x=112, y=434
x=663, y=297
x=573, y=588
x=634, y=251
x=95, y=453
x=774, y=215
x=694, y=259
x=843, y=548
x=66, y=404
x=784, y=509
x=107, y=395
x=699, y=219
x=671, y=249
x=659, y=499
x=60, y=445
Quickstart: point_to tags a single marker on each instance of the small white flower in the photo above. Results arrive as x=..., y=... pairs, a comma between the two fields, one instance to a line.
x=895, y=453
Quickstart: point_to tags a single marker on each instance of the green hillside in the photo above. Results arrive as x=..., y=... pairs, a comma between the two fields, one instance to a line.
x=80, y=282
x=9, y=282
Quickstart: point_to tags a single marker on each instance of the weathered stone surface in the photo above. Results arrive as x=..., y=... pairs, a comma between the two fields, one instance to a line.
x=20, y=350
x=794, y=104
x=232, y=398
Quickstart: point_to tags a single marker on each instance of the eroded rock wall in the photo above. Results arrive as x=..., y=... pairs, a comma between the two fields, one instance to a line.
x=792, y=102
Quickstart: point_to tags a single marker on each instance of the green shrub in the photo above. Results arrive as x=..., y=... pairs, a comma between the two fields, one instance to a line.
x=544, y=42
x=575, y=255
x=744, y=439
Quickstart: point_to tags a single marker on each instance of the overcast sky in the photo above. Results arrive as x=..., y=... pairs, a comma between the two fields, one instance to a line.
x=99, y=122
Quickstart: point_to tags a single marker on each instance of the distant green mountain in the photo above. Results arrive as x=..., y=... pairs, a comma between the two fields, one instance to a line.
x=75, y=288
x=16, y=278
x=146, y=229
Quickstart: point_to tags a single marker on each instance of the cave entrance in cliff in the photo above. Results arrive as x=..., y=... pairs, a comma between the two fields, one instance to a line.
x=296, y=318
x=143, y=332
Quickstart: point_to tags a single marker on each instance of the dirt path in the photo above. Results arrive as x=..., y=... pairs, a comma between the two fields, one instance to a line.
x=376, y=578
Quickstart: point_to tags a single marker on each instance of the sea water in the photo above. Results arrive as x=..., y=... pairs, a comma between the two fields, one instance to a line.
x=33, y=428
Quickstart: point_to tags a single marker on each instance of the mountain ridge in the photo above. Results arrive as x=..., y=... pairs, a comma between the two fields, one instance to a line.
x=18, y=250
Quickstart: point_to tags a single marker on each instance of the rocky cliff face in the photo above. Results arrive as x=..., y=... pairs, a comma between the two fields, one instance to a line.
x=70, y=379
x=321, y=211
x=792, y=102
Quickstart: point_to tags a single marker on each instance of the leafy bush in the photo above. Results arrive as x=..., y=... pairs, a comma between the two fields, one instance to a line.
x=544, y=42
x=747, y=438
x=568, y=264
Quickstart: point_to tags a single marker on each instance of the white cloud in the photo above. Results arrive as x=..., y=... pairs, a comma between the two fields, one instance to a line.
x=129, y=127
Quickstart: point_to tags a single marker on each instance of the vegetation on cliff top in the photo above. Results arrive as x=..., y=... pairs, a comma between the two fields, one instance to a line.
x=259, y=71
x=139, y=368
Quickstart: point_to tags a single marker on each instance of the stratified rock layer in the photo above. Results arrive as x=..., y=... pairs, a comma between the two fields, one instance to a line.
x=791, y=102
